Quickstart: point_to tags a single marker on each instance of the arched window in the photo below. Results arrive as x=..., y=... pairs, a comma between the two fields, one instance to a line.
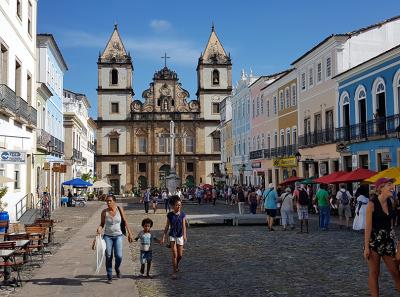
x=294, y=135
x=288, y=136
x=269, y=141
x=276, y=138
x=215, y=77
x=287, y=97
x=361, y=104
x=262, y=141
x=258, y=142
x=281, y=101
x=173, y=102
x=114, y=76
x=345, y=109
x=379, y=103
x=396, y=92
x=282, y=142
x=294, y=95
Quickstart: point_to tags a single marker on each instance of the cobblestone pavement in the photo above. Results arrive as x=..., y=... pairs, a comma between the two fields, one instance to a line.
x=250, y=261
x=68, y=221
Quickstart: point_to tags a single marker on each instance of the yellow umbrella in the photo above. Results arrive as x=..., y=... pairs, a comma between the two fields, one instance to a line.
x=392, y=172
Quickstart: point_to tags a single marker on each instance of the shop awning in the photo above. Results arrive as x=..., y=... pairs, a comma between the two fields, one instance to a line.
x=392, y=172
x=355, y=176
x=53, y=159
x=291, y=180
x=330, y=178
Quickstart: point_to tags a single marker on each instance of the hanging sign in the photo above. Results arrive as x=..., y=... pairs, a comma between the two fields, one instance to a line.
x=12, y=157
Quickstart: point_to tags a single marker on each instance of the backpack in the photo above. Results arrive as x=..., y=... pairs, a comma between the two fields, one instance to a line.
x=303, y=197
x=345, y=198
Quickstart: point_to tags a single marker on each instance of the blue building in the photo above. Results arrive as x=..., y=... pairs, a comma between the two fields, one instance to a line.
x=368, y=105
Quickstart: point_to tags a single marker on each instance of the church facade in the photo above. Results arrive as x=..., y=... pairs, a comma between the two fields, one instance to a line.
x=133, y=149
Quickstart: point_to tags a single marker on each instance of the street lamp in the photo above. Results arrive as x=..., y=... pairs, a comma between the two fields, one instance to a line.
x=298, y=156
x=49, y=150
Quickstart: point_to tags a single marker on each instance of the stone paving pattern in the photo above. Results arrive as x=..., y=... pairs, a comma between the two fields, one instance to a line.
x=218, y=260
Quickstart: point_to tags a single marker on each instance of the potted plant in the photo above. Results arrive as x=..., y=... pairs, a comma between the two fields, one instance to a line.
x=3, y=214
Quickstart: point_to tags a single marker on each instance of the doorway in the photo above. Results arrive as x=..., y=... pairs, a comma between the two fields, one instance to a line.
x=346, y=121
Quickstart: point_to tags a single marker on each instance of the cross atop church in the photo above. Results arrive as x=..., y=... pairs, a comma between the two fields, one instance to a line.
x=165, y=59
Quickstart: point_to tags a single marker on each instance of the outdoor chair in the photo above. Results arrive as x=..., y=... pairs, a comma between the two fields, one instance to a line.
x=21, y=252
x=11, y=262
x=36, y=236
x=49, y=224
x=3, y=224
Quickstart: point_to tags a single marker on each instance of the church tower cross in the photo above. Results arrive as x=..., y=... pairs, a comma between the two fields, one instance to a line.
x=165, y=59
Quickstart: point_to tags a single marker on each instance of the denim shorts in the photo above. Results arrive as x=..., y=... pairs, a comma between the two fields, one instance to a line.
x=145, y=257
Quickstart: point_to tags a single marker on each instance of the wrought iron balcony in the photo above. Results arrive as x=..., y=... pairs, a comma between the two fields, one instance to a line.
x=32, y=116
x=8, y=102
x=317, y=137
x=77, y=155
x=91, y=146
x=42, y=139
x=258, y=154
x=383, y=126
x=22, y=110
x=58, y=145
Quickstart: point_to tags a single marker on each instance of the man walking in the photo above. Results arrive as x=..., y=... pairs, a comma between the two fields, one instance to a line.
x=343, y=199
x=302, y=208
x=146, y=200
x=322, y=198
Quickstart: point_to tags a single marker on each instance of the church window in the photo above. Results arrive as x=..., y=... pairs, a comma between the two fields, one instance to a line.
x=114, y=76
x=262, y=106
x=173, y=102
x=165, y=105
x=114, y=170
x=190, y=167
x=215, y=108
x=114, y=107
x=217, y=144
x=114, y=145
x=215, y=77
x=142, y=145
x=158, y=102
x=189, y=144
x=142, y=167
x=162, y=145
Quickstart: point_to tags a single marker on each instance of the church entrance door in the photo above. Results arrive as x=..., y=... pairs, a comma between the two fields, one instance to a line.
x=162, y=174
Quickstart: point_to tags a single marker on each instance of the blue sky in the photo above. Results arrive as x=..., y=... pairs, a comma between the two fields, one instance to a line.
x=265, y=36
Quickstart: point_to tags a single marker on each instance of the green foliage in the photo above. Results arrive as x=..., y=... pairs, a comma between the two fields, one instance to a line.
x=86, y=177
x=3, y=192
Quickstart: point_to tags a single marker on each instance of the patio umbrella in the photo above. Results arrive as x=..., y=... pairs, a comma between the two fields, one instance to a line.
x=356, y=175
x=207, y=186
x=392, y=172
x=100, y=184
x=77, y=183
x=5, y=179
x=290, y=180
x=330, y=178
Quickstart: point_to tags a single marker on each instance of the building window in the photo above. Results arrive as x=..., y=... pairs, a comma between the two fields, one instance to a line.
x=397, y=86
x=216, y=144
x=267, y=108
x=162, y=144
x=276, y=139
x=269, y=141
x=258, y=106
x=262, y=141
x=114, y=77
x=258, y=142
x=17, y=79
x=303, y=81
x=3, y=64
x=288, y=136
x=30, y=18
x=29, y=89
x=282, y=141
x=319, y=72
x=189, y=144
x=310, y=77
x=281, y=101
x=215, y=108
x=294, y=95
x=215, y=77
x=17, y=178
x=275, y=105
x=254, y=113
x=294, y=136
x=216, y=168
x=262, y=106
x=19, y=9
x=114, y=169
x=328, y=67
x=114, y=107
x=189, y=167
x=142, y=145
x=114, y=145
x=287, y=97
x=142, y=167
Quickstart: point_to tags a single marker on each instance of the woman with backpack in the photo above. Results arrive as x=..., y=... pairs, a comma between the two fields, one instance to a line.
x=379, y=237
x=343, y=197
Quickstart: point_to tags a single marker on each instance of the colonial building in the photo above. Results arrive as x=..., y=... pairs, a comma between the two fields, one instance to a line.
x=17, y=101
x=317, y=108
x=78, y=133
x=226, y=139
x=51, y=68
x=132, y=147
x=369, y=112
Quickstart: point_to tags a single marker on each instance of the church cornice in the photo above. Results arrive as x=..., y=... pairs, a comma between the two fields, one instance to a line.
x=106, y=123
x=202, y=91
x=115, y=91
x=130, y=156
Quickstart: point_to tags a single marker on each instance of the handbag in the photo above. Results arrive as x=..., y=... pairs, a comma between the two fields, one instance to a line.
x=123, y=226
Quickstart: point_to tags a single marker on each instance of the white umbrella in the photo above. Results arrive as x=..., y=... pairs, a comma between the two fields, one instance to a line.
x=100, y=184
x=5, y=179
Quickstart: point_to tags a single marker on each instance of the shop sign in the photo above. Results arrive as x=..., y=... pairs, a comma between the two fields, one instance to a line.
x=256, y=165
x=322, y=169
x=46, y=166
x=386, y=158
x=285, y=162
x=63, y=168
x=12, y=157
x=56, y=167
x=341, y=147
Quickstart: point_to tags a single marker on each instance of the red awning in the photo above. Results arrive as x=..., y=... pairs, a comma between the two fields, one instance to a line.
x=290, y=180
x=356, y=175
x=330, y=178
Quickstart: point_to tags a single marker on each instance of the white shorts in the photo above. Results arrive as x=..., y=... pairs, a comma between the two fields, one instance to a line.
x=178, y=240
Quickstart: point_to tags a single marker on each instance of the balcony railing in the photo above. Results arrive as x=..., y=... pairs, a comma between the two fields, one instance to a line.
x=22, y=109
x=8, y=102
x=283, y=151
x=58, y=145
x=91, y=146
x=42, y=139
x=317, y=137
x=77, y=155
x=32, y=116
x=256, y=154
x=378, y=127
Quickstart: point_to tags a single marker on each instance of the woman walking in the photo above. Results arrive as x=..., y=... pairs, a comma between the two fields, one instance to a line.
x=111, y=219
x=379, y=239
x=286, y=200
x=361, y=208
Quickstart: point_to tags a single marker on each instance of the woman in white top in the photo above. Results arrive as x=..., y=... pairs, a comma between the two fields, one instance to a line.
x=286, y=200
x=361, y=208
x=111, y=219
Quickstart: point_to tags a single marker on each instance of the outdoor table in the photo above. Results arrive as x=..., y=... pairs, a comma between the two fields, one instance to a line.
x=6, y=254
x=21, y=244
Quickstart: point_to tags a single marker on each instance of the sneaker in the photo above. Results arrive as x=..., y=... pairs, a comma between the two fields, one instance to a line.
x=118, y=274
x=142, y=270
x=109, y=280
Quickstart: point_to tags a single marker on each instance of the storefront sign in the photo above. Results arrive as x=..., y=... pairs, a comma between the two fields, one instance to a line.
x=386, y=158
x=12, y=157
x=286, y=162
x=256, y=165
x=46, y=166
x=322, y=169
x=341, y=147
x=56, y=167
x=63, y=168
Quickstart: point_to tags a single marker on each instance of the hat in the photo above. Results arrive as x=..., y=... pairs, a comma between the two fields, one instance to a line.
x=288, y=190
x=383, y=180
x=271, y=185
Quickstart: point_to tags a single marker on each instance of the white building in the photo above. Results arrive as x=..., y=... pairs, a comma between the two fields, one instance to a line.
x=17, y=100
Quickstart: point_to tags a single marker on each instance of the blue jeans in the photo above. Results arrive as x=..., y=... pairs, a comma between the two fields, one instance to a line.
x=166, y=202
x=113, y=244
x=323, y=217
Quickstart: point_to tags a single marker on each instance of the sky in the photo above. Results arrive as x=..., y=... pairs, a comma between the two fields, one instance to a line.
x=265, y=36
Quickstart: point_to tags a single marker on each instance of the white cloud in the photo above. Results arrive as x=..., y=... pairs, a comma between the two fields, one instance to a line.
x=160, y=25
x=181, y=51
